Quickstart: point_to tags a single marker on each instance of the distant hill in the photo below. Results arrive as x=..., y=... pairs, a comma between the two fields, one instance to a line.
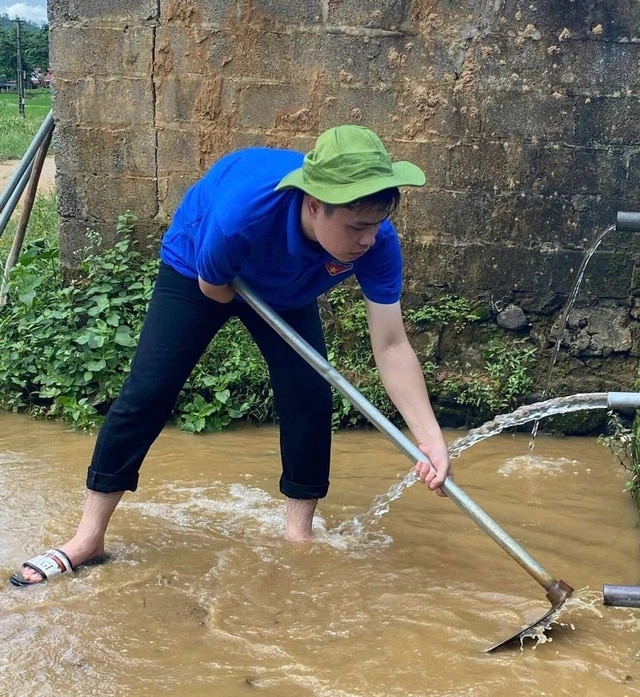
x=7, y=23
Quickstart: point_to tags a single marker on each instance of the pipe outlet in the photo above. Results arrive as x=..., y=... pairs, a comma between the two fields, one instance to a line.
x=623, y=400
x=628, y=221
x=622, y=596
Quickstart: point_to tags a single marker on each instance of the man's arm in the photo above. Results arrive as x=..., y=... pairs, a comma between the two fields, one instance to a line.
x=403, y=380
x=221, y=294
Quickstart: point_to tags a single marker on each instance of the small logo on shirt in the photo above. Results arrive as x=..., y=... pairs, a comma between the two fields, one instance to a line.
x=337, y=267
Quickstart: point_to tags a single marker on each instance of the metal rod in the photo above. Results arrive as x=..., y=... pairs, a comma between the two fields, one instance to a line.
x=556, y=590
x=21, y=230
x=10, y=207
x=20, y=75
x=27, y=159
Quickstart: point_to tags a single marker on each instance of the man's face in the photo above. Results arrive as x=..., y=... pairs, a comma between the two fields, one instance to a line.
x=346, y=233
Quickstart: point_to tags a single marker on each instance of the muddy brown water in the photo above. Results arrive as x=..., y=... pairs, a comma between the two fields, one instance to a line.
x=203, y=597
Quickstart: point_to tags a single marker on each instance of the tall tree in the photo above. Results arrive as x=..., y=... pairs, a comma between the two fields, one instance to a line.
x=8, y=53
x=35, y=48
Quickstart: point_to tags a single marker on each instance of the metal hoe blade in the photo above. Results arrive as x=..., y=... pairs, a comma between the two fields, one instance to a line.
x=557, y=591
x=542, y=624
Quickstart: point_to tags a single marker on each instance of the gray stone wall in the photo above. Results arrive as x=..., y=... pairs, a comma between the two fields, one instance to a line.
x=525, y=117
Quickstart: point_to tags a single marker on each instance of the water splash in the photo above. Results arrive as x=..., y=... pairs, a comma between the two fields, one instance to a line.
x=564, y=317
x=524, y=414
x=534, y=412
x=582, y=600
x=530, y=412
x=531, y=467
x=538, y=631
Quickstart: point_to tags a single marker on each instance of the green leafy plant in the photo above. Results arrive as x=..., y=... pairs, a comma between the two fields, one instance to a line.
x=65, y=349
x=504, y=379
x=446, y=310
x=623, y=442
x=349, y=349
x=230, y=382
x=69, y=345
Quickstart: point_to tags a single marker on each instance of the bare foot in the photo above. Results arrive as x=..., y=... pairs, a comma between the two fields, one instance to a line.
x=88, y=541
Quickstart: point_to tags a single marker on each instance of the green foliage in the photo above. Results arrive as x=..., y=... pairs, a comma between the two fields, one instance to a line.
x=497, y=386
x=212, y=414
x=504, y=379
x=35, y=47
x=17, y=132
x=446, y=310
x=624, y=443
x=349, y=349
x=230, y=382
x=65, y=349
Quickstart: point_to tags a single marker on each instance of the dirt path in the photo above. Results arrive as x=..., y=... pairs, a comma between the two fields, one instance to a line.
x=47, y=177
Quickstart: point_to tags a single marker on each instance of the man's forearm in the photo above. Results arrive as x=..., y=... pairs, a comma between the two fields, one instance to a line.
x=221, y=294
x=404, y=382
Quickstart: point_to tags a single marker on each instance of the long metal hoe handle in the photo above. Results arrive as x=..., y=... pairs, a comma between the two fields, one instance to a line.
x=453, y=491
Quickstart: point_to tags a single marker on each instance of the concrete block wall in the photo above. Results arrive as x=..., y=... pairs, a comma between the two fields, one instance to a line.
x=525, y=117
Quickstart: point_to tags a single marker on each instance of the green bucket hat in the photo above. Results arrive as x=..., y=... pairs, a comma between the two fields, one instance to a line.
x=347, y=164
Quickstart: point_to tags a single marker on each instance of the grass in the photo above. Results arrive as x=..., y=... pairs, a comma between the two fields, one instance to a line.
x=16, y=134
x=16, y=131
x=43, y=222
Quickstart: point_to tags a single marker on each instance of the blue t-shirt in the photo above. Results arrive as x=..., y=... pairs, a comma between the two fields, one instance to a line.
x=232, y=223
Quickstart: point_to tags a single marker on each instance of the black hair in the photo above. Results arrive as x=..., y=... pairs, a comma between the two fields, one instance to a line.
x=387, y=199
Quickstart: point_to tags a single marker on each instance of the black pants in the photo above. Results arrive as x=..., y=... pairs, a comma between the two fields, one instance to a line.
x=179, y=325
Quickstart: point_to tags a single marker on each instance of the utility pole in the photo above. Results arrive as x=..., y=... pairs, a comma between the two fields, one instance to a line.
x=20, y=80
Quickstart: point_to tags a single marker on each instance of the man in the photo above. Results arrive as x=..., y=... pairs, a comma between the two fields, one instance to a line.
x=291, y=228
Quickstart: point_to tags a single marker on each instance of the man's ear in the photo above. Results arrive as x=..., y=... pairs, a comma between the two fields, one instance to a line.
x=313, y=206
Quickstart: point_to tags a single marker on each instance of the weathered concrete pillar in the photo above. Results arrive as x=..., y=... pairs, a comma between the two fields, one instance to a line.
x=524, y=116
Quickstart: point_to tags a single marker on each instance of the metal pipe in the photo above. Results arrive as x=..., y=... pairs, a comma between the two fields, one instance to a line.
x=8, y=209
x=21, y=230
x=557, y=591
x=628, y=221
x=27, y=159
x=623, y=596
x=623, y=400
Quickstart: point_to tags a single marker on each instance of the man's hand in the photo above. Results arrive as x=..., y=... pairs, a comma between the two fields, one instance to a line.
x=436, y=468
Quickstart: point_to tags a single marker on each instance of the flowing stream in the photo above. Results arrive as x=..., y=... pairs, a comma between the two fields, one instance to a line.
x=203, y=597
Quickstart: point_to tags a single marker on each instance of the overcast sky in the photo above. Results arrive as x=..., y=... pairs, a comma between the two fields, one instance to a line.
x=32, y=11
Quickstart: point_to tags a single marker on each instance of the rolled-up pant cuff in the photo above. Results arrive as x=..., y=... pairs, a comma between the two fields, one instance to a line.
x=109, y=483
x=303, y=491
